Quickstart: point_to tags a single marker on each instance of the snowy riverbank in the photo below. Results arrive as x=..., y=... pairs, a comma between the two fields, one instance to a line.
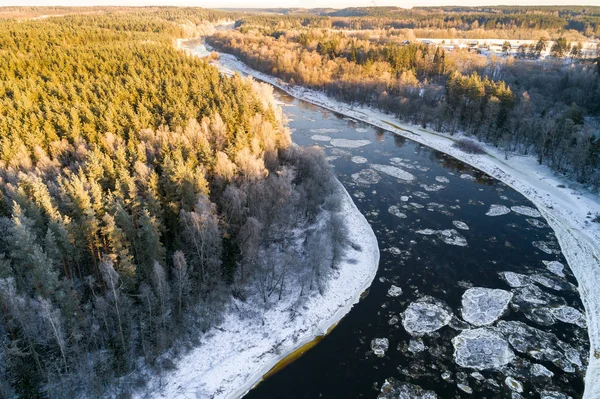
x=234, y=356
x=567, y=210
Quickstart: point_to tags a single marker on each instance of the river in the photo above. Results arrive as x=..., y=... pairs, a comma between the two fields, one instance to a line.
x=444, y=229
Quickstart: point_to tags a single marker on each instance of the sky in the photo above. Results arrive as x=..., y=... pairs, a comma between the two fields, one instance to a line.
x=291, y=3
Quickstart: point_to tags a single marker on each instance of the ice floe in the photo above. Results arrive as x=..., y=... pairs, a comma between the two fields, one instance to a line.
x=465, y=388
x=318, y=137
x=366, y=177
x=442, y=179
x=394, y=291
x=432, y=187
x=553, y=395
x=555, y=267
x=347, y=143
x=545, y=247
x=361, y=130
x=483, y=306
x=450, y=236
x=404, y=198
x=424, y=316
x=394, y=210
x=536, y=223
x=416, y=345
x=567, y=314
x=481, y=349
x=460, y=225
x=497, y=210
x=526, y=210
x=515, y=279
x=359, y=159
x=394, y=389
x=325, y=130
x=466, y=176
x=513, y=384
x=537, y=370
x=394, y=172
x=379, y=346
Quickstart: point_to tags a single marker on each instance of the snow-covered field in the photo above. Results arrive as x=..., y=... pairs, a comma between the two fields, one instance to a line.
x=234, y=356
x=566, y=209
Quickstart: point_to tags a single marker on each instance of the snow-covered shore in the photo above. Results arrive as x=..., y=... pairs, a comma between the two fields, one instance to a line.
x=567, y=210
x=234, y=356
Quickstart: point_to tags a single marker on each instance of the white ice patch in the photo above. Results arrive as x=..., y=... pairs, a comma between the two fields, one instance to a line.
x=497, y=210
x=317, y=137
x=394, y=291
x=394, y=172
x=394, y=389
x=481, y=349
x=570, y=315
x=555, y=267
x=537, y=370
x=546, y=282
x=416, y=345
x=361, y=130
x=515, y=280
x=366, y=177
x=422, y=318
x=466, y=176
x=346, y=143
x=483, y=306
x=325, y=130
x=526, y=210
x=379, y=346
x=426, y=232
x=442, y=179
x=358, y=159
x=432, y=187
x=460, y=225
x=404, y=198
x=513, y=384
x=450, y=236
x=394, y=210
x=543, y=246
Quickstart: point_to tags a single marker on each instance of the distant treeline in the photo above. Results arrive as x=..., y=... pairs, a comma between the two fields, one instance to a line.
x=547, y=108
x=140, y=190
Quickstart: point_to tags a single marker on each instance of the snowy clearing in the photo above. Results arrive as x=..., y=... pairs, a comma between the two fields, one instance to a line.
x=566, y=210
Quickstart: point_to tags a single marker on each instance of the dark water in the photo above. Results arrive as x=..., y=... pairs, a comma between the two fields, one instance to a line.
x=342, y=365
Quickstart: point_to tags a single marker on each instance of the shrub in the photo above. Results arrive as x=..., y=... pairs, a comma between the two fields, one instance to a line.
x=469, y=146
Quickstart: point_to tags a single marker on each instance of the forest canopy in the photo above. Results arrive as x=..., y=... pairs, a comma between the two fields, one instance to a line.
x=140, y=190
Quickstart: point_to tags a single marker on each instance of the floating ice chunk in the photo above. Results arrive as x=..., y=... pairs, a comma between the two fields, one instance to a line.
x=447, y=376
x=404, y=198
x=432, y=187
x=515, y=279
x=466, y=176
x=460, y=225
x=379, y=346
x=325, y=130
x=359, y=194
x=568, y=314
x=481, y=349
x=541, y=345
x=394, y=210
x=394, y=291
x=537, y=370
x=539, y=315
x=416, y=205
x=536, y=223
x=545, y=247
x=426, y=232
x=546, y=282
x=421, y=194
x=425, y=316
x=361, y=130
x=465, y=388
x=393, y=321
x=477, y=375
x=533, y=295
x=359, y=159
x=394, y=389
x=555, y=267
x=416, y=345
x=513, y=384
x=526, y=210
x=553, y=395
x=442, y=179
x=394, y=250
x=341, y=153
x=394, y=172
x=483, y=306
x=497, y=210
x=346, y=143
x=331, y=158
x=366, y=177
x=317, y=137
x=452, y=237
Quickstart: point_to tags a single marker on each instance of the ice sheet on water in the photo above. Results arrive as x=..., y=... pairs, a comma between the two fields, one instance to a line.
x=532, y=295
x=331, y=158
x=416, y=205
x=426, y=315
x=513, y=384
x=449, y=236
x=460, y=225
x=548, y=282
x=404, y=198
x=420, y=194
x=432, y=187
x=416, y=345
x=567, y=314
x=426, y=232
x=394, y=389
x=545, y=247
x=481, y=349
x=555, y=267
x=515, y=279
x=541, y=345
x=483, y=306
x=379, y=346
x=526, y=210
x=466, y=176
x=358, y=159
x=318, y=137
x=394, y=291
x=537, y=370
x=366, y=177
x=442, y=179
x=341, y=153
x=347, y=143
x=497, y=210
x=553, y=395
x=325, y=130
x=394, y=210
x=394, y=172
x=361, y=130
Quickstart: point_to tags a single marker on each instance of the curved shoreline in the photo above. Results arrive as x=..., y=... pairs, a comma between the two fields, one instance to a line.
x=565, y=212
